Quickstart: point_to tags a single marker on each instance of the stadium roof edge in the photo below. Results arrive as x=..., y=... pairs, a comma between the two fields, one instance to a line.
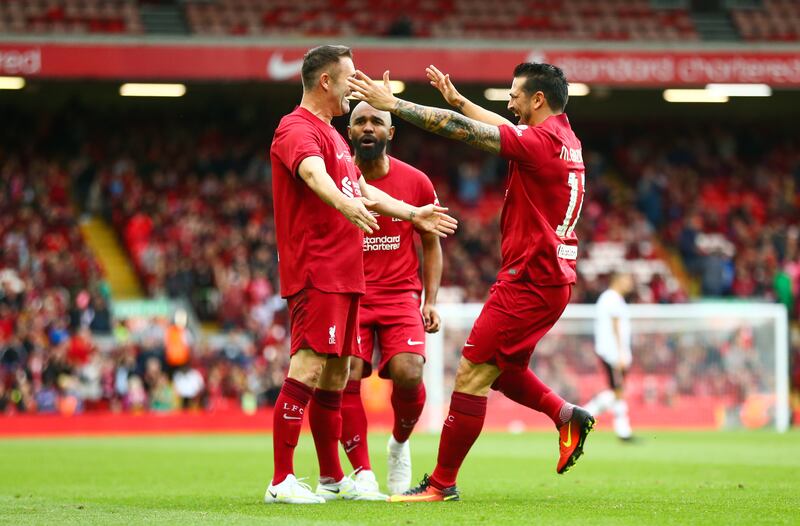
x=418, y=43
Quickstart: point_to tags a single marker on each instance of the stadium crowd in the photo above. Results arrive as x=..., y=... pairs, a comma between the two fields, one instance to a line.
x=192, y=205
x=52, y=294
x=728, y=203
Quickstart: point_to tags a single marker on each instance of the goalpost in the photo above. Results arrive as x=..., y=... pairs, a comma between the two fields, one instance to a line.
x=698, y=365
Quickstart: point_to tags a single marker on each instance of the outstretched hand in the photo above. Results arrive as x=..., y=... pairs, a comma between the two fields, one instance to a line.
x=432, y=218
x=445, y=86
x=356, y=210
x=376, y=94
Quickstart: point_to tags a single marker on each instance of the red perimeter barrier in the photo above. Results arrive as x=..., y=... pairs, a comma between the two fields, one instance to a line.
x=502, y=415
x=103, y=422
x=108, y=423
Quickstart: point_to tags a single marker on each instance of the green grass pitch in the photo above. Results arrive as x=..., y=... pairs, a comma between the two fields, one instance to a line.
x=670, y=478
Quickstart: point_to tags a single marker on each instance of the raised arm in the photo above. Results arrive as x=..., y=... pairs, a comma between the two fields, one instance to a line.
x=312, y=171
x=455, y=99
x=446, y=123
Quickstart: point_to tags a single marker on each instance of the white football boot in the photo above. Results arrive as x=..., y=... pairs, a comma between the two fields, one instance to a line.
x=368, y=485
x=350, y=489
x=399, y=457
x=291, y=491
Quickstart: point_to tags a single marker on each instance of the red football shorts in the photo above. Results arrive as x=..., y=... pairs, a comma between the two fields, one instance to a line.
x=325, y=322
x=397, y=323
x=513, y=320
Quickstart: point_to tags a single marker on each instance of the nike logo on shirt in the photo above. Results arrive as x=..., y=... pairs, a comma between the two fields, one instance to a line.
x=339, y=155
x=287, y=417
x=412, y=343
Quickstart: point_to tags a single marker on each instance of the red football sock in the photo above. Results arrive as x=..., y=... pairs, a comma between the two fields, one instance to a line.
x=525, y=388
x=325, y=417
x=461, y=429
x=286, y=422
x=354, y=426
x=407, y=404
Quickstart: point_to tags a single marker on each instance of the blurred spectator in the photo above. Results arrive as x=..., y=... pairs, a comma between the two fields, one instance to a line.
x=177, y=342
x=162, y=397
x=189, y=387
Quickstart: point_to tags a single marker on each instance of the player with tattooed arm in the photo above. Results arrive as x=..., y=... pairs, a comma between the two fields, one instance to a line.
x=539, y=248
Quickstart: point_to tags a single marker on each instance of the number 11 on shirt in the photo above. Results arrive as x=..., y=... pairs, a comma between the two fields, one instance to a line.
x=576, y=183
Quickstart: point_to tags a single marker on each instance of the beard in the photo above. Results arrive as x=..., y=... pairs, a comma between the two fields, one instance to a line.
x=523, y=115
x=371, y=152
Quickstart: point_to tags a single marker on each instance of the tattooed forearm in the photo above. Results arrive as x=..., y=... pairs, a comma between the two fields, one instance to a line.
x=450, y=124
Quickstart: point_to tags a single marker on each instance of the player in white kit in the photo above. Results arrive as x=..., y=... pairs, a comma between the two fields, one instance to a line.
x=612, y=339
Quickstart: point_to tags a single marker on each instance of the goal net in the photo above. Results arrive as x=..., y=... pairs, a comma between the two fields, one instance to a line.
x=699, y=365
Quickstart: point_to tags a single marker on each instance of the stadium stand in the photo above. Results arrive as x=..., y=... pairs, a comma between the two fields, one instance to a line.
x=580, y=20
x=518, y=19
x=51, y=288
x=726, y=201
x=769, y=20
x=199, y=226
x=70, y=16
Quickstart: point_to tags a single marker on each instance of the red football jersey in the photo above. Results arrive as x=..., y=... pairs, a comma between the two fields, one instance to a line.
x=317, y=246
x=543, y=202
x=390, y=258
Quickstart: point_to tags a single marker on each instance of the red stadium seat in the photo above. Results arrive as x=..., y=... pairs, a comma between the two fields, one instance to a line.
x=447, y=18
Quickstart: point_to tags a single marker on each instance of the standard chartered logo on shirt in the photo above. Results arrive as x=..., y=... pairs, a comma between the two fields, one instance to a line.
x=385, y=243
